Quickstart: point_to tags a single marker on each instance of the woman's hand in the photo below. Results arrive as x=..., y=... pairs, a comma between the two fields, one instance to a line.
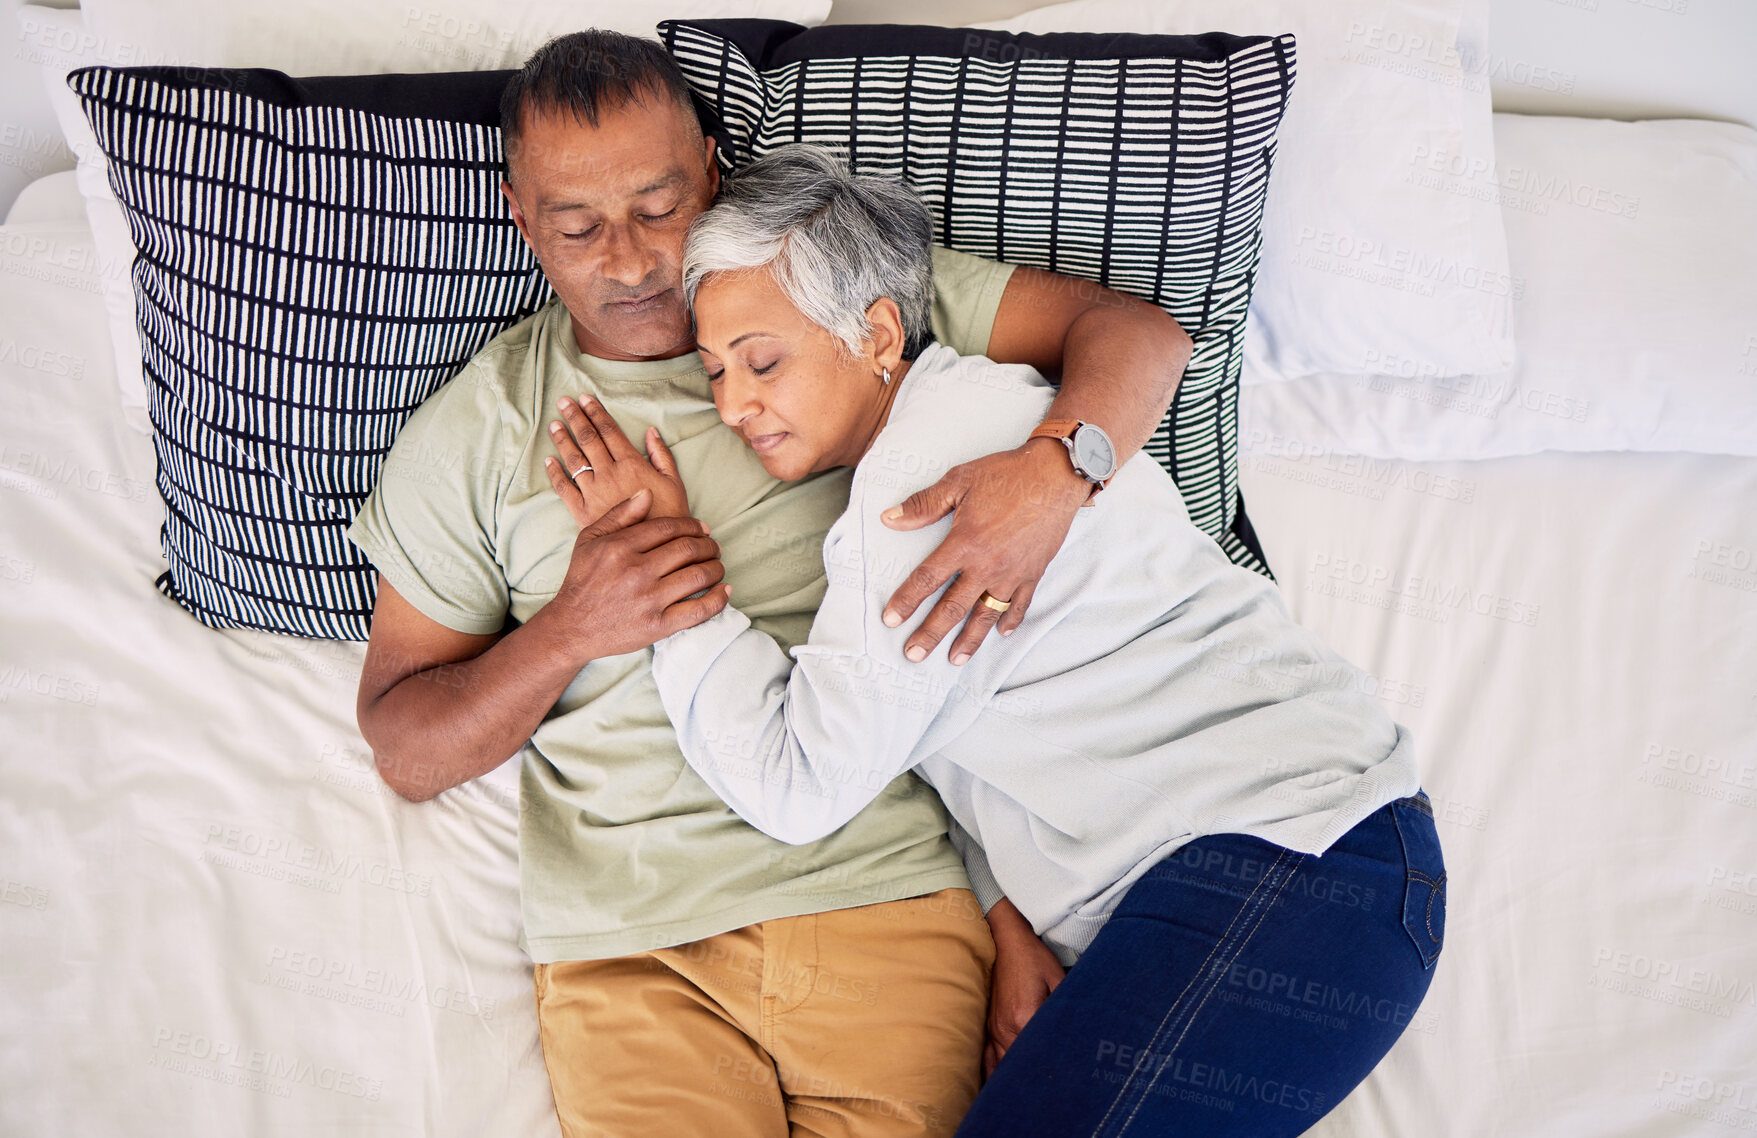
x=599, y=467
x=1025, y=973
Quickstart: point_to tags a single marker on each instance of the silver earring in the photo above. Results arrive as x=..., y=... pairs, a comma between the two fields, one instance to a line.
x=887, y=376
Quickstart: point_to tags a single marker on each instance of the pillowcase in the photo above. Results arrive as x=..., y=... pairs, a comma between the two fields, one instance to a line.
x=371, y=37
x=1139, y=162
x=310, y=37
x=1366, y=257
x=315, y=258
x=57, y=42
x=1633, y=244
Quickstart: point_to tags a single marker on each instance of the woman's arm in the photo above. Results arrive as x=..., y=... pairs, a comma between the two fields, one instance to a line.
x=798, y=747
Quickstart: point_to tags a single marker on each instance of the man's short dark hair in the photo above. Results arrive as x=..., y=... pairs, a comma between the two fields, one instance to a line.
x=586, y=73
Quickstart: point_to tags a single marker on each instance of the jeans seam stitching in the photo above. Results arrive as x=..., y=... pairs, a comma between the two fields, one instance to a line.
x=1195, y=978
x=1262, y=915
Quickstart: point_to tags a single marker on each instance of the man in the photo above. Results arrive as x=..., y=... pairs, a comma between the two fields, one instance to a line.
x=694, y=976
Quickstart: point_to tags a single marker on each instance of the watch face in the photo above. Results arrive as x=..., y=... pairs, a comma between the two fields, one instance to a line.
x=1093, y=453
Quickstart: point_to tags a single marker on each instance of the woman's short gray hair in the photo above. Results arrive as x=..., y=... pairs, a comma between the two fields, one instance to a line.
x=834, y=241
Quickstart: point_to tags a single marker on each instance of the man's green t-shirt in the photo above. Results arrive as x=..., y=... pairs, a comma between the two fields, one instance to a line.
x=621, y=846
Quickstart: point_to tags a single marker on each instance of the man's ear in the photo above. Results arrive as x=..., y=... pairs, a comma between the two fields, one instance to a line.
x=518, y=212
x=710, y=151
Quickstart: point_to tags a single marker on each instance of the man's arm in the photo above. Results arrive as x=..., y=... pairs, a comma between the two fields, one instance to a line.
x=1120, y=360
x=440, y=707
x=1025, y=973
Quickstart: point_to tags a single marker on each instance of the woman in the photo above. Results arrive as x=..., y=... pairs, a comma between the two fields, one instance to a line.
x=1159, y=778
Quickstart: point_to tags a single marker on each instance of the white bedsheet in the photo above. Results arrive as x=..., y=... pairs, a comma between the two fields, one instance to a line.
x=1575, y=651
x=217, y=922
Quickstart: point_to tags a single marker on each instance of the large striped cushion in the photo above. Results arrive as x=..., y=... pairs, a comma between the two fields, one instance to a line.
x=1137, y=161
x=316, y=258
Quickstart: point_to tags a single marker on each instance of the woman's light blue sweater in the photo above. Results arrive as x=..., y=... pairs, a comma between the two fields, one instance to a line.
x=1155, y=692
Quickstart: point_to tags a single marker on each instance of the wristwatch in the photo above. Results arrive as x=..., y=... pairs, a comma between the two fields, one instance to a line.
x=1089, y=448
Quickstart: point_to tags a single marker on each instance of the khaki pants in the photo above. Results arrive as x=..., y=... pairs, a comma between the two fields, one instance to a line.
x=856, y=1022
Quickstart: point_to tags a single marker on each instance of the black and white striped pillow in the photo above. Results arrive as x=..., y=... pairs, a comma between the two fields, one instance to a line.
x=317, y=257
x=1137, y=161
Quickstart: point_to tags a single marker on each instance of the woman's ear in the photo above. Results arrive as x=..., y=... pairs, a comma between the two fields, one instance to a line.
x=884, y=345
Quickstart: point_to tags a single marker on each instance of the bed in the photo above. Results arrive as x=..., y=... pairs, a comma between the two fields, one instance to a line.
x=217, y=920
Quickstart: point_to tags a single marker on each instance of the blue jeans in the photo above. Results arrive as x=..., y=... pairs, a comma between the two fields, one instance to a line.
x=1238, y=989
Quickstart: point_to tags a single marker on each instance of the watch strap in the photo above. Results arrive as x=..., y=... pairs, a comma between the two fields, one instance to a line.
x=1064, y=429
x=1054, y=429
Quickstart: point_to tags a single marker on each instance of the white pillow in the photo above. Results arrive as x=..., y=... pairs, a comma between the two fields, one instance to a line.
x=1362, y=260
x=370, y=37
x=58, y=42
x=1636, y=245
x=303, y=38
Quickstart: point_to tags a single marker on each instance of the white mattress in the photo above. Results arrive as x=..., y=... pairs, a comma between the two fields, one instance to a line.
x=218, y=922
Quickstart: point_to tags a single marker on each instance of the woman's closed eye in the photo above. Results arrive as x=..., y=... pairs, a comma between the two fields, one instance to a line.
x=716, y=376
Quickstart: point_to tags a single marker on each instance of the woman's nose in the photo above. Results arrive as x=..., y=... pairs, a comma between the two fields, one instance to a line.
x=735, y=400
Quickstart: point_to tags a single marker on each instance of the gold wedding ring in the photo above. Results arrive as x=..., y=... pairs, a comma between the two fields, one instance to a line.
x=996, y=603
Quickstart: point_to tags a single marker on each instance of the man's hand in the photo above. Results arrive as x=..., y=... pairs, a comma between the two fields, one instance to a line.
x=1013, y=510
x=632, y=582
x=599, y=467
x=1120, y=360
x=1025, y=973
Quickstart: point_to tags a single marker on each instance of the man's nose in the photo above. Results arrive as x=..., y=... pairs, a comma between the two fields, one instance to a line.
x=627, y=259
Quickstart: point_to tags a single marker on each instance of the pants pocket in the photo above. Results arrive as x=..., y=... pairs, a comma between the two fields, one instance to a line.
x=1424, y=889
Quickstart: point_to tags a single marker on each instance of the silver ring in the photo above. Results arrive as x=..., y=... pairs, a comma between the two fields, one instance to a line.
x=575, y=476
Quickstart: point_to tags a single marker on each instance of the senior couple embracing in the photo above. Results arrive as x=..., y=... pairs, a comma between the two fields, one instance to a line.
x=887, y=765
